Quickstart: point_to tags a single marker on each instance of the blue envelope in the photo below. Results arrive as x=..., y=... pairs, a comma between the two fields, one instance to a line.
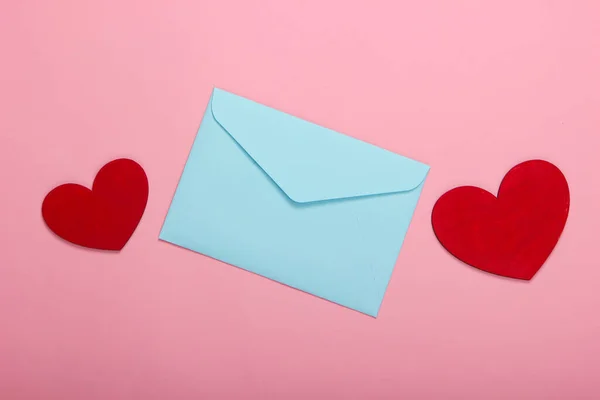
x=294, y=202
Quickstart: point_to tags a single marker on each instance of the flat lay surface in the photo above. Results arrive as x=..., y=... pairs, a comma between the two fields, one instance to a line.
x=469, y=88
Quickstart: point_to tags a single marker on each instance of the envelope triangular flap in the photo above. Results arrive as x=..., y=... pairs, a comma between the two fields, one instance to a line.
x=309, y=162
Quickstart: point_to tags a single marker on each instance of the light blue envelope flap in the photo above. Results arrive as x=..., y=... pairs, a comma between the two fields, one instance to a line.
x=308, y=162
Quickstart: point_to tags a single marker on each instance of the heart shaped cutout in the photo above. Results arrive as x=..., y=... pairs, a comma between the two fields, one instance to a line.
x=104, y=217
x=512, y=234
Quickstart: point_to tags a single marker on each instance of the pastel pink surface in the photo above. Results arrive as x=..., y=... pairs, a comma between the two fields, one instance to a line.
x=469, y=87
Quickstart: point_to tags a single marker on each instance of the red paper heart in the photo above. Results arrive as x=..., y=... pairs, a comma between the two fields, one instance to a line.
x=510, y=235
x=102, y=218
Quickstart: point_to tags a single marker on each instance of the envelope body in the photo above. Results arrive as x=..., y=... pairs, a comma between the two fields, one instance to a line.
x=294, y=202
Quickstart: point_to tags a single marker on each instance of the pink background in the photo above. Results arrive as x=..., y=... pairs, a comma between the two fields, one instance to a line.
x=469, y=87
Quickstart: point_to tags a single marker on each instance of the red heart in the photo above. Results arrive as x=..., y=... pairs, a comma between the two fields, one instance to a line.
x=510, y=235
x=102, y=218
